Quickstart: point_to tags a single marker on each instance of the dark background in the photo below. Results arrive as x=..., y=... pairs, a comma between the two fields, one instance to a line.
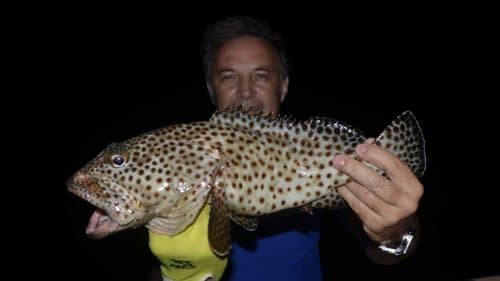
x=118, y=74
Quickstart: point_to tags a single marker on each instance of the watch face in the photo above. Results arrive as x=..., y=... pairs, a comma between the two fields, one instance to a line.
x=402, y=248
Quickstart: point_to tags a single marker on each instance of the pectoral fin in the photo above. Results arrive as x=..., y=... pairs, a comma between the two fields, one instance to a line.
x=219, y=230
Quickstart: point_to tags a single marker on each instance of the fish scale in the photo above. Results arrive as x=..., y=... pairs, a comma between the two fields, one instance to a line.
x=286, y=163
x=244, y=164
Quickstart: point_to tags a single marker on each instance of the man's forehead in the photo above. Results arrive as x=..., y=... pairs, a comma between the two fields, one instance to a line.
x=246, y=52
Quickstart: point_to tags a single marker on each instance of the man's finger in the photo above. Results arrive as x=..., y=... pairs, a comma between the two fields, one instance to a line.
x=366, y=215
x=372, y=201
x=367, y=177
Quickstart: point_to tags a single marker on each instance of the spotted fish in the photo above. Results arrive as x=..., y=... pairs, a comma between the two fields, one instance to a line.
x=244, y=164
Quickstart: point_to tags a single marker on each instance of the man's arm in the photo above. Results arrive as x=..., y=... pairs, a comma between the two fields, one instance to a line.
x=386, y=206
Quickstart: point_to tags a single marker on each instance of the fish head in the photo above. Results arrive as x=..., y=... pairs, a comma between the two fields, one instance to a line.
x=114, y=183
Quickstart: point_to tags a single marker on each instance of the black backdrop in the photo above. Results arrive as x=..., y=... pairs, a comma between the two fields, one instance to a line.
x=121, y=74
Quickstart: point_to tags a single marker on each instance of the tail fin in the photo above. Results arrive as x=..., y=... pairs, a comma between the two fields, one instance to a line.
x=404, y=138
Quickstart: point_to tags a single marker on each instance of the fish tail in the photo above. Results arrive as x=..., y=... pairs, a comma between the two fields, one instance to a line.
x=404, y=139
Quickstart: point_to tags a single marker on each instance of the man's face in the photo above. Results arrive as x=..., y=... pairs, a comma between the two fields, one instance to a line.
x=246, y=71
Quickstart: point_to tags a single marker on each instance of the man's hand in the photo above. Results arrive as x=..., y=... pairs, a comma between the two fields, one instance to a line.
x=384, y=205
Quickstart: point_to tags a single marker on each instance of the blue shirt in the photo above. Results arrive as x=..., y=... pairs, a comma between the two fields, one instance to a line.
x=284, y=247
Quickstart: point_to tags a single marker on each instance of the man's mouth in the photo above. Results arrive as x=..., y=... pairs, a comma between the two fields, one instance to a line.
x=251, y=108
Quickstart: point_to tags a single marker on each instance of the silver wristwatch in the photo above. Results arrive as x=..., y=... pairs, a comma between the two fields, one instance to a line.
x=402, y=248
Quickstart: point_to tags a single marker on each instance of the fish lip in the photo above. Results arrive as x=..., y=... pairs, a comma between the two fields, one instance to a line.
x=81, y=191
x=94, y=229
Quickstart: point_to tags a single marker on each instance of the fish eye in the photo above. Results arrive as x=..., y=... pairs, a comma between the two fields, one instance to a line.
x=118, y=160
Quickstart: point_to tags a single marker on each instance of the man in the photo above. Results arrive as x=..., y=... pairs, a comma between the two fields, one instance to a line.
x=246, y=65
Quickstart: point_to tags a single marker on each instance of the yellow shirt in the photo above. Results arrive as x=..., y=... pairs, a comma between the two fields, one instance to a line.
x=187, y=256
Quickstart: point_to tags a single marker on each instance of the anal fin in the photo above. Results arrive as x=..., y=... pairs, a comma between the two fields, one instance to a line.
x=332, y=200
x=247, y=223
x=307, y=209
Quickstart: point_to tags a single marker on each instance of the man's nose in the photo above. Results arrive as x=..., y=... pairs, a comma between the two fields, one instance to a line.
x=246, y=89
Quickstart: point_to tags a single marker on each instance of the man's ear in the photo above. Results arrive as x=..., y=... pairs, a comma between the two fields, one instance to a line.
x=211, y=92
x=284, y=89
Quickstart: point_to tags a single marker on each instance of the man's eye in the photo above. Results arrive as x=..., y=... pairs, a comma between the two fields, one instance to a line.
x=261, y=76
x=227, y=77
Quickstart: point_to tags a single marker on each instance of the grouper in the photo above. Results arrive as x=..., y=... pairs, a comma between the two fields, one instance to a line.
x=243, y=163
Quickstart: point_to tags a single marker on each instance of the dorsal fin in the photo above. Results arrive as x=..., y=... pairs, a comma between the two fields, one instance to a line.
x=253, y=119
x=338, y=127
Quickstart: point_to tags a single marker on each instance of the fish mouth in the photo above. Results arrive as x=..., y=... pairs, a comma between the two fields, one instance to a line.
x=103, y=221
x=101, y=224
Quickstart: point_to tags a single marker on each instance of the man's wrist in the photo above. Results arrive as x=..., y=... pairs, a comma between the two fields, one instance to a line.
x=400, y=248
x=404, y=243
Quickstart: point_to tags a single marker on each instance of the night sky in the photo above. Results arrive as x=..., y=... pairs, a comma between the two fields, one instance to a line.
x=124, y=74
